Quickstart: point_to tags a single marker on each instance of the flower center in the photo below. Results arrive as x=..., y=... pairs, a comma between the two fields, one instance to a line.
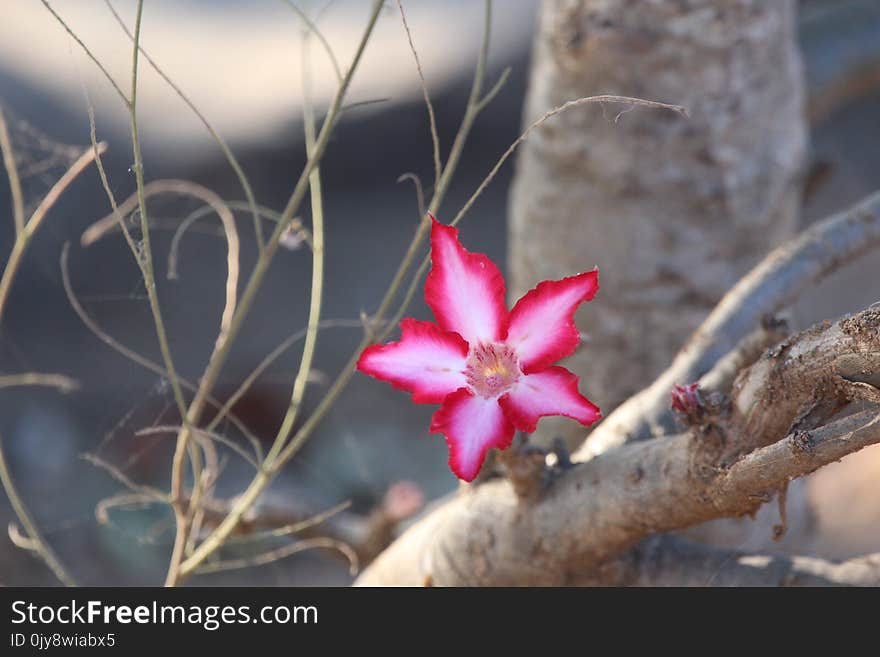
x=492, y=369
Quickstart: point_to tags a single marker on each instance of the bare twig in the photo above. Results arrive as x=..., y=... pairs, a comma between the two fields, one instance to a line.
x=125, y=480
x=12, y=176
x=426, y=261
x=137, y=358
x=420, y=194
x=432, y=120
x=37, y=543
x=18, y=539
x=313, y=28
x=281, y=553
x=10, y=270
x=274, y=355
x=59, y=381
x=146, y=262
x=88, y=52
x=194, y=190
x=223, y=440
x=317, y=291
x=216, y=539
x=224, y=147
x=295, y=527
x=205, y=211
x=102, y=508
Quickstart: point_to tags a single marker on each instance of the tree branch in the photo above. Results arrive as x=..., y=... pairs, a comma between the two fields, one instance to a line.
x=775, y=283
x=598, y=509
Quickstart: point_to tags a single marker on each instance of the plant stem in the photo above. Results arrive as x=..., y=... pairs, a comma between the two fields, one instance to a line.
x=264, y=477
x=22, y=241
x=209, y=379
x=38, y=543
x=305, y=366
x=221, y=143
x=12, y=175
x=182, y=446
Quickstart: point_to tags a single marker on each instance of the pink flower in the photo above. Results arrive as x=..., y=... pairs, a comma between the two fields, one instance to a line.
x=492, y=370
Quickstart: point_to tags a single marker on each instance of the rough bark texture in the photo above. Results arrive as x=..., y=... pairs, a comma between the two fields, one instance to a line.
x=672, y=210
x=775, y=283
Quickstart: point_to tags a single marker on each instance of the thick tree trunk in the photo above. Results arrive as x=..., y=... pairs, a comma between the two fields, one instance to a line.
x=672, y=210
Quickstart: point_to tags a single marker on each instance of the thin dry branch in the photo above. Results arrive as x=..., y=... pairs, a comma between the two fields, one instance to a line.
x=432, y=120
x=210, y=435
x=277, y=554
x=88, y=53
x=138, y=358
x=415, y=282
x=12, y=175
x=325, y=44
x=221, y=143
x=125, y=480
x=206, y=210
x=262, y=479
x=274, y=355
x=59, y=381
x=37, y=543
x=24, y=235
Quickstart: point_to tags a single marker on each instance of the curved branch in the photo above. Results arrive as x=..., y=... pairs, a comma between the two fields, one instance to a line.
x=775, y=283
x=185, y=188
x=37, y=543
x=598, y=511
x=138, y=358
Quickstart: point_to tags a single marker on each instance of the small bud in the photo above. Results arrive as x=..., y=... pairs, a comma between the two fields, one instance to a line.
x=688, y=401
x=402, y=500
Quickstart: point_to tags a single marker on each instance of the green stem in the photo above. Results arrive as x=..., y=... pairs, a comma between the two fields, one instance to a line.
x=183, y=442
x=259, y=483
x=209, y=379
x=221, y=143
x=305, y=366
x=10, y=270
x=467, y=122
x=12, y=174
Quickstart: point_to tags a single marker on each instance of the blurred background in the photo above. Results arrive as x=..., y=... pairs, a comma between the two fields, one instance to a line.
x=240, y=64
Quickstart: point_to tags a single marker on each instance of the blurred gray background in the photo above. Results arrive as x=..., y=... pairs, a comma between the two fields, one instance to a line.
x=240, y=63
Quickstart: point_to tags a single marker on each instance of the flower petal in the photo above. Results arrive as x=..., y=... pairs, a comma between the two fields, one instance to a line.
x=542, y=328
x=465, y=290
x=427, y=362
x=471, y=425
x=553, y=391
